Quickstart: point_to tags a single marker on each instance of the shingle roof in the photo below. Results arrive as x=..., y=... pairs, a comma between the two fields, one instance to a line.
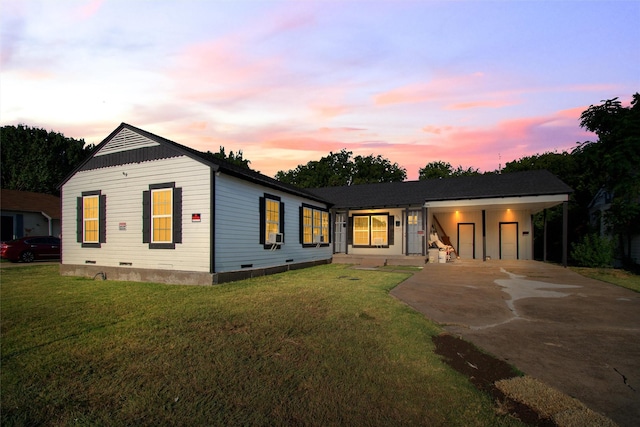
x=411, y=193
x=172, y=149
x=27, y=201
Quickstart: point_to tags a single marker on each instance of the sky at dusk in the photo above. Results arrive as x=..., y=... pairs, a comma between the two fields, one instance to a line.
x=472, y=83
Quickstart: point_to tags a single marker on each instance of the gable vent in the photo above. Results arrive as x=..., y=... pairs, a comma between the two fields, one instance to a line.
x=125, y=140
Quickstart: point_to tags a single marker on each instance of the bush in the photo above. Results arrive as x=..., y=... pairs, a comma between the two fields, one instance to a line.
x=593, y=251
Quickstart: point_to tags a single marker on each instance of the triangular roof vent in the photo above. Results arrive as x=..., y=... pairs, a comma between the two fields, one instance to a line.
x=125, y=140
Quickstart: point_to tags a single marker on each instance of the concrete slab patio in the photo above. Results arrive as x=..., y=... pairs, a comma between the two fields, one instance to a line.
x=578, y=335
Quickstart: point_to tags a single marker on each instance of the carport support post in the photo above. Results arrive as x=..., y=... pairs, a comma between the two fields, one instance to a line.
x=484, y=235
x=565, y=231
x=544, y=236
x=425, y=235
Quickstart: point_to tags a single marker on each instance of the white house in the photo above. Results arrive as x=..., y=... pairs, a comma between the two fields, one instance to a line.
x=478, y=217
x=146, y=208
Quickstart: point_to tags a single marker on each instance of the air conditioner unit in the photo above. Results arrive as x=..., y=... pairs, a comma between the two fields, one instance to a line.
x=318, y=238
x=275, y=239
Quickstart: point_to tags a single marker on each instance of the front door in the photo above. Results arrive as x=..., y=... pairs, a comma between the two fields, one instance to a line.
x=340, y=242
x=466, y=240
x=415, y=233
x=508, y=240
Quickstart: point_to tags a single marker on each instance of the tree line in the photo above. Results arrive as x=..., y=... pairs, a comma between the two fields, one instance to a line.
x=37, y=160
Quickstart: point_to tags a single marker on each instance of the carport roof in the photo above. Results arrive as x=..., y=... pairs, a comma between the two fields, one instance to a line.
x=416, y=193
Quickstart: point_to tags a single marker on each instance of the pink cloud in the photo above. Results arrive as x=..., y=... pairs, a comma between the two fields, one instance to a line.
x=329, y=111
x=88, y=9
x=435, y=89
x=480, y=104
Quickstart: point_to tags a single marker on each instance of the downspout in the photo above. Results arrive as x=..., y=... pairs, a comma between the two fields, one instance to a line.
x=49, y=219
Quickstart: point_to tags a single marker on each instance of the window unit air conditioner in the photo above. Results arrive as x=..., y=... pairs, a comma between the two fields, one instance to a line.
x=318, y=238
x=275, y=239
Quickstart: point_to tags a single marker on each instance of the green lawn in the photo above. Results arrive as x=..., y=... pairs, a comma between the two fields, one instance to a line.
x=615, y=276
x=319, y=346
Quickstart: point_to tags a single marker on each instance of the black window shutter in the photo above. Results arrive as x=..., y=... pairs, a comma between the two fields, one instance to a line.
x=392, y=226
x=282, y=220
x=263, y=219
x=177, y=215
x=350, y=230
x=146, y=216
x=80, y=218
x=102, y=218
x=301, y=225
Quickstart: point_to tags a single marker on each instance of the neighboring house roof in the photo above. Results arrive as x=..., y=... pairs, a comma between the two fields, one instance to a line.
x=27, y=201
x=411, y=193
x=167, y=149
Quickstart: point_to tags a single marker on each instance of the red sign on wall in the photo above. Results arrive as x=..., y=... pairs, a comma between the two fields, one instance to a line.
x=195, y=217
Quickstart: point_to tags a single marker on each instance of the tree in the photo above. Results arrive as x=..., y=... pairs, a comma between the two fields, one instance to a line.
x=36, y=160
x=339, y=169
x=234, y=158
x=612, y=163
x=372, y=169
x=440, y=169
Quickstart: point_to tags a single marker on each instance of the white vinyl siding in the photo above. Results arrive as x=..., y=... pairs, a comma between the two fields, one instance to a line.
x=123, y=187
x=237, y=240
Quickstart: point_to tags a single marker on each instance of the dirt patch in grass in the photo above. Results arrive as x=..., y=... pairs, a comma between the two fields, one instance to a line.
x=484, y=370
x=527, y=399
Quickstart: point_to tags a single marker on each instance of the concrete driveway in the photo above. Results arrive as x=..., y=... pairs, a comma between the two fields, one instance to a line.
x=578, y=335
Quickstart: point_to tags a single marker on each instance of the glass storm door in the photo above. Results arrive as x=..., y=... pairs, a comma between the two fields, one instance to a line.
x=414, y=237
x=340, y=234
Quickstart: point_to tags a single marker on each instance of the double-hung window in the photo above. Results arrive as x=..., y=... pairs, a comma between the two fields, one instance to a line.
x=272, y=224
x=314, y=225
x=162, y=216
x=375, y=230
x=91, y=219
x=271, y=221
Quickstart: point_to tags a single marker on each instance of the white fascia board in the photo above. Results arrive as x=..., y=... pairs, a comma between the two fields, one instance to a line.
x=498, y=201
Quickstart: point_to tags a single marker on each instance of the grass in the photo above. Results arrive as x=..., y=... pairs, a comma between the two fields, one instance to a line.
x=615, y=276
x=319, y=346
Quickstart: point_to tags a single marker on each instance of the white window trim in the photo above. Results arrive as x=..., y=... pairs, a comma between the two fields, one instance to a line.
x=85, y=219
x=152, y=228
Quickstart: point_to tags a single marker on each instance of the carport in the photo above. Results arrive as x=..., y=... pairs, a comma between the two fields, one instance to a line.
x=494, y=228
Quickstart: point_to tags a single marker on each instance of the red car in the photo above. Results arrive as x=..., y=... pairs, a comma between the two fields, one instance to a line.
x=28, y=249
